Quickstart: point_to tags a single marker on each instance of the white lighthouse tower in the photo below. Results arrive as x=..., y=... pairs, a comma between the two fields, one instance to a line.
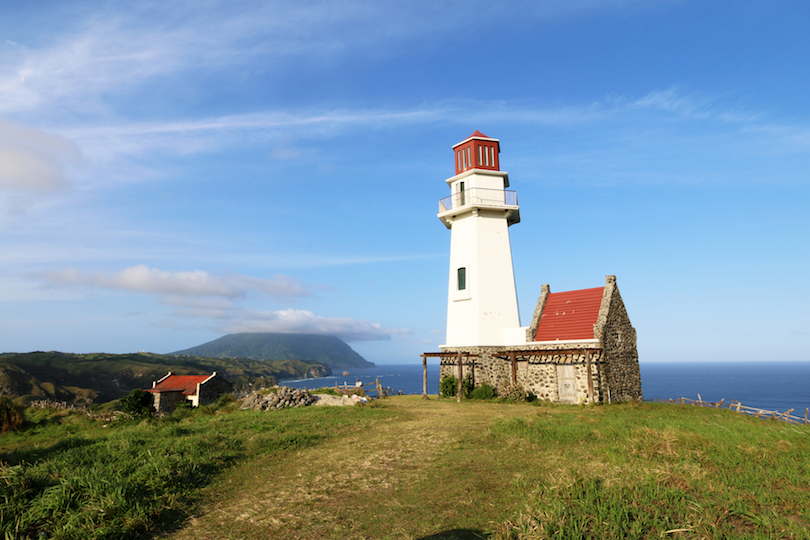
x=482, y=306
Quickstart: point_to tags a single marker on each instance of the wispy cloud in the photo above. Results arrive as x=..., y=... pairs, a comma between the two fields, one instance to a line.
x=93, y=56
x=32, y=160
x=196, y=283
x=198, y=295
x=292, y=321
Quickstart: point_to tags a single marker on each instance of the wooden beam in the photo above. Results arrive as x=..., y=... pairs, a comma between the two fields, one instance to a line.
x=458, y=391
x=424, y=377
x=590, y=377
x=447, y=354
x=514, y=367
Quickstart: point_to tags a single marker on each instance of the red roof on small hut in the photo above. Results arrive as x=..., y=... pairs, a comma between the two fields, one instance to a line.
x=187, y=384
x=570, y=315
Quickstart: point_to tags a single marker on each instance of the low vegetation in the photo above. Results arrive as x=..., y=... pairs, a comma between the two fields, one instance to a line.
x=408, y=468
x=86, y=379
x=11, y=415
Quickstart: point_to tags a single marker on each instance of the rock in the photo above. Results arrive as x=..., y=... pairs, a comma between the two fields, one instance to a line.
x=345, y=373
x=282, y=398
x=332, y=401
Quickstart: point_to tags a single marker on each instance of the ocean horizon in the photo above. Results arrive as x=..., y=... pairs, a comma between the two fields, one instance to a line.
x=775, y=385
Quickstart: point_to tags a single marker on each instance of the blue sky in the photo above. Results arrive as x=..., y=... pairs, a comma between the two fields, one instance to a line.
x=174, y=171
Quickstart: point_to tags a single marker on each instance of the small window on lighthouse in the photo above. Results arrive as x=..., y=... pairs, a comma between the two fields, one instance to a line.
x=462, y=279
x=458, y=154
x=480, y=156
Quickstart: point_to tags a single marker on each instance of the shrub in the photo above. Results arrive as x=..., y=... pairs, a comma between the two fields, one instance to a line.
x=483, y=391
x=516, y=392
x=11, y=415
x=325, y=390
x=467, y=386
x=137, y=403
x=225, y=399
x=448, y=386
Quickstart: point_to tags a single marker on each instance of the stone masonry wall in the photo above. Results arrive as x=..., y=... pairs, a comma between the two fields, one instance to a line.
x=536, y=373
x=166, y=402
x=618, y=338
x=213, y=388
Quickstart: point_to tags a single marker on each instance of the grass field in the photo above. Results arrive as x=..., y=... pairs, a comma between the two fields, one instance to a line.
x=411, y=469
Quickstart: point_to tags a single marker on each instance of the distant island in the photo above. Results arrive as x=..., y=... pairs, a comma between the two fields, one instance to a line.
x=329, y=350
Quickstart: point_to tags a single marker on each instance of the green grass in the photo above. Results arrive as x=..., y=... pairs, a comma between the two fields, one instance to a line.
x=411, y=469
x=641, y=471
x=68, y=477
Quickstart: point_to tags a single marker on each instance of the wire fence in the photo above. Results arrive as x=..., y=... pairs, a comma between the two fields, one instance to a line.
x=372, y=390
x=756, y=412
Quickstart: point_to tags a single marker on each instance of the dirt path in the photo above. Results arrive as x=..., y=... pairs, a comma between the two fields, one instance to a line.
x=394, y=480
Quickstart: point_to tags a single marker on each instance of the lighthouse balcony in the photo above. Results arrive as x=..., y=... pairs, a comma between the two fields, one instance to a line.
x=462, y=201
x=478, y=197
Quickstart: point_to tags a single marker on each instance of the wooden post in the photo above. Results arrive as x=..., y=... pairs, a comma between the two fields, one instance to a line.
x=806, y=412
x=424, y=377
x=380, y=394
x=458, y=391
x=514, y=367
x=590, y=377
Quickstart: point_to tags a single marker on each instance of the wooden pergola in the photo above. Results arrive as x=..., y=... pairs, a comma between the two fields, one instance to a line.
x=459, y=355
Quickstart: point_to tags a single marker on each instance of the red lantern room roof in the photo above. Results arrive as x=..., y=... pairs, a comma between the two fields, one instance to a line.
x=477, y=152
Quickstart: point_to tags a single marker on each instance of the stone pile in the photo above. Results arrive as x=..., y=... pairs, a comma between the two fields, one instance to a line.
x=282, y=398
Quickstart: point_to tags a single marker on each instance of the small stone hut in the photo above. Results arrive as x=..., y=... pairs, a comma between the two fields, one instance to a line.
x=580, y=348
x=198, y=389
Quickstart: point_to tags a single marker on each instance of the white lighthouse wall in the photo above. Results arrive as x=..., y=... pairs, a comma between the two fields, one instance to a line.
x=479, y=315
x=477, y=178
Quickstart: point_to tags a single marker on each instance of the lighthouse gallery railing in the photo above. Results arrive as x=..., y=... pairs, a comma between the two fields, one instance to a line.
x=479, y=197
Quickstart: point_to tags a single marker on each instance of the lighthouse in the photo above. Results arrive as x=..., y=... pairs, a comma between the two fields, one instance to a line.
x=482, y=307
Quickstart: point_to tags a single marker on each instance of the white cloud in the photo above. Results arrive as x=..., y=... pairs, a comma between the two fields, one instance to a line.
x=94, y=54
x=199, y=295
x=32, y=160
x=293, y=321
x=197, y=283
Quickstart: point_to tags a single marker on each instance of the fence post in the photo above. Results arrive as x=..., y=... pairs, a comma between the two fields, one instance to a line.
x=458, y=390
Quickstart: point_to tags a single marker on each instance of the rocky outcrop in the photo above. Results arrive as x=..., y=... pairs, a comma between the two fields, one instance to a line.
x=282, y=398
x=317, y=371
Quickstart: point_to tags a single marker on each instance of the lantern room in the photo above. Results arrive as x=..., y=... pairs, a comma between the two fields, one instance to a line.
x=477, y=152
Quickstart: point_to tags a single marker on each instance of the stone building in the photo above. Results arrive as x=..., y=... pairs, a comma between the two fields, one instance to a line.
x=580, y=348
x=197, y=389
x=580, y=345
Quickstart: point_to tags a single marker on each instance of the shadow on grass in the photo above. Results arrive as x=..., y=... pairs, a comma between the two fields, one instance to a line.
x=34, y=455
x=456, y=534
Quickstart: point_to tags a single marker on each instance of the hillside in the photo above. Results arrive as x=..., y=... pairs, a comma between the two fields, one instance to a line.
x=101, y=377
x=329, y=350
x=409, y=468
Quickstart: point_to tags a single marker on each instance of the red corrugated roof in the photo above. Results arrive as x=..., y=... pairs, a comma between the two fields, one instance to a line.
x=478, y=134
x=570, y=315
x=179, y=383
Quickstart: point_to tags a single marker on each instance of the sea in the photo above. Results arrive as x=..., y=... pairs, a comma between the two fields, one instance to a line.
x=774, y=386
